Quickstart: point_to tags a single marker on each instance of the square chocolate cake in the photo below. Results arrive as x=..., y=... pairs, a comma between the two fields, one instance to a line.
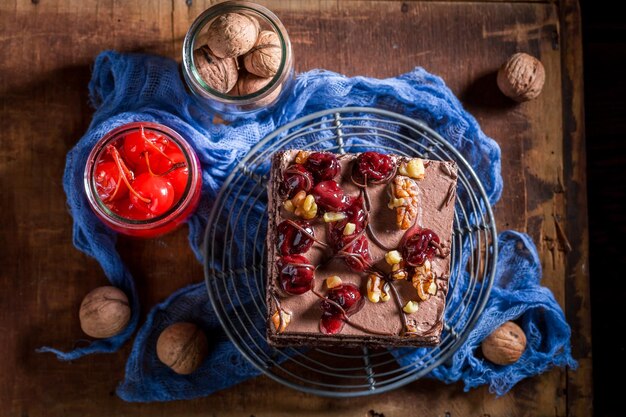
x=358, y=249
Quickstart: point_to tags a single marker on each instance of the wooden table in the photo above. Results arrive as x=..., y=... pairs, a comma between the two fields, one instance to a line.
x=47, y=48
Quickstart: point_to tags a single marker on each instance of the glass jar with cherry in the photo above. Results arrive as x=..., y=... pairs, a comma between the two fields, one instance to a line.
x=143, y=179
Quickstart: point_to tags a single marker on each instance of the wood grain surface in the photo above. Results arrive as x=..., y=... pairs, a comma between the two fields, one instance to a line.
x=47, y=48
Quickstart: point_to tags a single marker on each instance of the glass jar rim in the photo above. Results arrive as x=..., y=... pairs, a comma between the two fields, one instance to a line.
x=173, y=212
x=191, y=73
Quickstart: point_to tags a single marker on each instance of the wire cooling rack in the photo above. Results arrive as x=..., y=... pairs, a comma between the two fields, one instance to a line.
x=235, y=256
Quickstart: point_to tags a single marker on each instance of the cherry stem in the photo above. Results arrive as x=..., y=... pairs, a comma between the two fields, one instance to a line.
x=156, y=148
x=344, y=316
x=117, y=187
x=120, y=165
x=113, y=151
x=148, y=163
x=175, y=167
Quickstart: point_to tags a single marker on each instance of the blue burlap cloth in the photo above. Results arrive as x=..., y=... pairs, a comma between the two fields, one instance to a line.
x=126, y=88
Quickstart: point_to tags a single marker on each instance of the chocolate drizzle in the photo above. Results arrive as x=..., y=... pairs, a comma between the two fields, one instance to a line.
x=451, y=188
x=309, y=235
x=448, y=171
x=370, y=231
x=279, y=309
x=301, y=265
x=449, y=196
x=419, y=219
x=442, y=250
x=398, y=301
x=346, y=319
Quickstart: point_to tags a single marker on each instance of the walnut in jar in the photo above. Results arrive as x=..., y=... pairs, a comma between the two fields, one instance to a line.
x=232, y=34
x=219, y=73
x=250, y=83
x=264, y=58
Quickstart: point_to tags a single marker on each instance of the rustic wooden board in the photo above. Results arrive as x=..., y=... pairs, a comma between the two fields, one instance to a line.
x=577, y=308
x=47, y=48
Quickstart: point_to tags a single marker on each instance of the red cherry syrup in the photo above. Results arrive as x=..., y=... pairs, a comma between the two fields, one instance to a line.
x=346, y=296
x=374, y=166
x=417, y=246
x=295, y=274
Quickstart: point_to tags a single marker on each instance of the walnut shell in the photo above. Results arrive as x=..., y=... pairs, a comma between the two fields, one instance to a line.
x=182, y=346
x=505, y=345
x=521, y=77
x=104, y=312
x=232, y=34
x=219, y=74
x=264, y=58
x=250, y=83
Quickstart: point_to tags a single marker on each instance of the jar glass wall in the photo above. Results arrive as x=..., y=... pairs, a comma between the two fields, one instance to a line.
x=243, y=101
x=143, y=179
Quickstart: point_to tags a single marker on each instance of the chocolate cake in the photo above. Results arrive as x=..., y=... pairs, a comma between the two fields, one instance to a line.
x=358, y=249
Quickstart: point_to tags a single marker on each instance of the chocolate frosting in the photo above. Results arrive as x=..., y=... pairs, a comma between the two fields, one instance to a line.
x=437, y=190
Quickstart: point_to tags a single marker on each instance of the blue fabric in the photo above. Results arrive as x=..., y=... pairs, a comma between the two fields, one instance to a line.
x=517, y=296
x=126, y=88
x=147, y=379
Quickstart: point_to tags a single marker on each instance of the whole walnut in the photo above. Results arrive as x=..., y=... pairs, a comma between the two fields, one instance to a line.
x=219, y=74
x=521, y=77
x=264, y=58
x=104, y=312
x=505, y=345
x=232, y=34
x=250, y=83
x=183, y=347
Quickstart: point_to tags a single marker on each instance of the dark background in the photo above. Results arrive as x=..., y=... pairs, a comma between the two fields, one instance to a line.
x=604, y=48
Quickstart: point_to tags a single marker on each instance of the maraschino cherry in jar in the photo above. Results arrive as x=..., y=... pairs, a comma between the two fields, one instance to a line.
x=143, y=179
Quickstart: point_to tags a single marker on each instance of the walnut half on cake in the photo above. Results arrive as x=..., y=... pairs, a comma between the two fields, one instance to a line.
x=358, y=249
